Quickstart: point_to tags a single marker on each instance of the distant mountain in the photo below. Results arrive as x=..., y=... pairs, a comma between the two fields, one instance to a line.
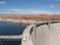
x=38, y=17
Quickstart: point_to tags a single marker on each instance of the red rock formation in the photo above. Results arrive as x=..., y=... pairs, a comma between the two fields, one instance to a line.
x=44, y=17
x=29, y=18
x=56, y=17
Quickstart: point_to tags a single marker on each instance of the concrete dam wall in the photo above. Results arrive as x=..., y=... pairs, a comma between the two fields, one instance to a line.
x=46, y=35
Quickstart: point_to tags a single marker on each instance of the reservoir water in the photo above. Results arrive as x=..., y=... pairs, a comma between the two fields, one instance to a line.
x=9, y=28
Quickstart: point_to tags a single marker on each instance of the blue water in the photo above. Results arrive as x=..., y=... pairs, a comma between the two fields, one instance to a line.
x=8, y=28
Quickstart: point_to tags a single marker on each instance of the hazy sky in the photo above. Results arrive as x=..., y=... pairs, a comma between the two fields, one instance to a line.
x=29, y=6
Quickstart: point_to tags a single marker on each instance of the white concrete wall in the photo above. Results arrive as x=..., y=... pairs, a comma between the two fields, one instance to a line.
x=46, y=36
x=26, y=40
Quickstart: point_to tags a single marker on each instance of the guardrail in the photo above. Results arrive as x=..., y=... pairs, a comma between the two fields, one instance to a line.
x=11, y=37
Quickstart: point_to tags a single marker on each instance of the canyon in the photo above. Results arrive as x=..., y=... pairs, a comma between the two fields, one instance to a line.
x=28, y=19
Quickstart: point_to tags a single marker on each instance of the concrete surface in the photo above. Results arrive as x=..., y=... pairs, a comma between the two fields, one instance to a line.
x=44, y=36
x=26, y=40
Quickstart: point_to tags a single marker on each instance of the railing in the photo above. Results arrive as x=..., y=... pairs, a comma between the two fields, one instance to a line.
x=11, y=37
x=14, y=37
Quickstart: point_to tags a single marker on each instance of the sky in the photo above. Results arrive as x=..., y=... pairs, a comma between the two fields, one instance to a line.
x=29, y=6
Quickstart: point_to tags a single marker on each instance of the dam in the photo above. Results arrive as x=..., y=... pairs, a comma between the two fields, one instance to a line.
x=38, y=33
x=43, y=33
x=47, y=34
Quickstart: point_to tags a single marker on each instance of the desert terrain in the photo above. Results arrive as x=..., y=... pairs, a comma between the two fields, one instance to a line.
x=30, y=18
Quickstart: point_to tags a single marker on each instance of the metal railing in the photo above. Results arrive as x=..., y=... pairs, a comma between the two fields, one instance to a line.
x=11, y=37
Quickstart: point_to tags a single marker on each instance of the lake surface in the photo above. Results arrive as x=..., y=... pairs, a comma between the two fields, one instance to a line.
x=8, y=28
